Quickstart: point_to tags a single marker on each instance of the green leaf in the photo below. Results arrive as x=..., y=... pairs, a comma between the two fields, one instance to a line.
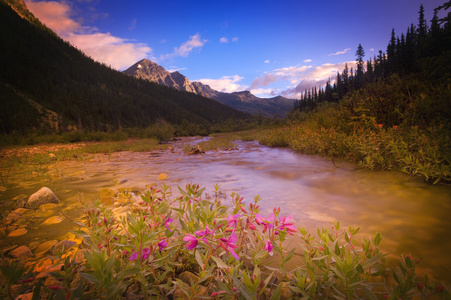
x=89, y=277
x=359, y=269
x=369, y=294
x=276, y=294
x=199, y=258
x=289, y=256
x=37, y=290
x=220, y=263
x=377, y=239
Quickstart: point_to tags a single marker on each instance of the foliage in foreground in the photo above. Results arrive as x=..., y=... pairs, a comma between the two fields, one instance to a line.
x=196, y=247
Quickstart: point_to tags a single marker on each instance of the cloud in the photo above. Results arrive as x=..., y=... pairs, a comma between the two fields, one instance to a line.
x=175, y=69
x=223, y=40
x=185, y=49
x=226, y=84
x=340, y=52
x=235, y=39
x=263, y=80
x=114, y=51
x=307, y=60
x=267, y=61
x=299, y=78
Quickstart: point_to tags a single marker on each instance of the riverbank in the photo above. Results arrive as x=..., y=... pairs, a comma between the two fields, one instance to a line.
x=156, y=244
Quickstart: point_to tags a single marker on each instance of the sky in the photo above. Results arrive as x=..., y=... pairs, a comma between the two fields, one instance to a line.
x=271, y=48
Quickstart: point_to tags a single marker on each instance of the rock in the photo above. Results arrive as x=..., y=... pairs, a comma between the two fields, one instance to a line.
x=285, y=292
x=44, y=195
x=45, y=247
x=47, y=206
x=21, y=252
x=2, y=188
x=53, y=220
x=163, y=176
x=18, y=232
x=63, y=245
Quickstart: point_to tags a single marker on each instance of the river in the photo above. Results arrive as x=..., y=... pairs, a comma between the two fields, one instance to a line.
x=413, y=216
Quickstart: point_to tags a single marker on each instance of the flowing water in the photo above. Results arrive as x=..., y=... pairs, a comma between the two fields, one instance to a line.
x=414, y=217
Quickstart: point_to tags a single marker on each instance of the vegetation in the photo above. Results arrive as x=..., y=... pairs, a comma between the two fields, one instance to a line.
x=395, y=115
x=195, y=246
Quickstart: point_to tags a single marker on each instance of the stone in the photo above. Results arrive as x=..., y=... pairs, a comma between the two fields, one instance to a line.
x=63, y=245
x=44, y=195
x=45, y=247
x=47, y=206
x=53, y=220
x=20, y=252
x=163, y=176
x=27, y=296
x=18, y=232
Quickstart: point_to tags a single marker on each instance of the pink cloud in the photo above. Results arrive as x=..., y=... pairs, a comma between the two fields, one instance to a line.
x=114, y=51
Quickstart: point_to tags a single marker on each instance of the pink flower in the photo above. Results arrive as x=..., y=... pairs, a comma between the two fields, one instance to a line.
x=229, y=245
x=203, y=232
x=233, y=220
x=192, y=241
x=286, y=225
x=162, y=244
x=268, y=246
x=145, y=253
x=134, y=256
x=168, y=221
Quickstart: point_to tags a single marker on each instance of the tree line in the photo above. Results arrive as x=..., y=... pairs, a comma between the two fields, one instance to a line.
x=424, y=49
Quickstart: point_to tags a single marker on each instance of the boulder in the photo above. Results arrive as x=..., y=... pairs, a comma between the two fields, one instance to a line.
x=44, y=195
x=21, y=252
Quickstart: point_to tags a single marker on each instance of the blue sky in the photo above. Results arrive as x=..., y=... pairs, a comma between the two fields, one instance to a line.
x=268, y=47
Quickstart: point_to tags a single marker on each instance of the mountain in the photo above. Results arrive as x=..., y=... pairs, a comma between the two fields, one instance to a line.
x=47, y=85
x=244, y=101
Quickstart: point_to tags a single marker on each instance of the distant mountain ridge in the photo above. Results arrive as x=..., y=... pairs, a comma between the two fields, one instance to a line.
x=244, y=101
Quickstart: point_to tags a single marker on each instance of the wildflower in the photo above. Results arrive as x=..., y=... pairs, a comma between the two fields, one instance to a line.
x=167, y=222
x=192, y=241
x=203, y=232
x=286, y=225
x=395, y=127
x=229, y=245
x=134, y=256
x=233, y=220
x=145, y=253
x=162, y=244
x=268, y=246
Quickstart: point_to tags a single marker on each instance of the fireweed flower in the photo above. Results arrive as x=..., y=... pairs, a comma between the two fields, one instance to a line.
x=145, y=253
x=167, y=222
x=233, y=220
x=284, y=224
x=162, y=244
x=229, y=245
x=192, y=241
x=203, y=232
x=268, y=246
x=134, y=256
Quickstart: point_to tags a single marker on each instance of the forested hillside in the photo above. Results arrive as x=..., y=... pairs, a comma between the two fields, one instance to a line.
x=47, y=85
x=408, y=84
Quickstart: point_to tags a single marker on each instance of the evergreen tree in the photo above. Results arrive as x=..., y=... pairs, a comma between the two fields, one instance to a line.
x=360, y=54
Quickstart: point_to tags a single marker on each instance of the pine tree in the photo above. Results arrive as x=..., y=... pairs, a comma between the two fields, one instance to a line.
x=360, y=54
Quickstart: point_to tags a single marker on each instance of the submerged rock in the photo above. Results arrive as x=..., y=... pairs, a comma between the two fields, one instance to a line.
x=20, y=252
x=163, y=176
x=44, y=195
x=53, y=220
x=18, y=232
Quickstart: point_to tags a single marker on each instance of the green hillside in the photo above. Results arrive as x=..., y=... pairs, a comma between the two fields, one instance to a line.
x=47, y=85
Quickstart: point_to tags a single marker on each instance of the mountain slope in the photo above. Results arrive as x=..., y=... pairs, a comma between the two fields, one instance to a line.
x=244, y=101
x=36, y=65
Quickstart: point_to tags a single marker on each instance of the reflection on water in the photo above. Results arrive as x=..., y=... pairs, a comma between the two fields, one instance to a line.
x=413, y=216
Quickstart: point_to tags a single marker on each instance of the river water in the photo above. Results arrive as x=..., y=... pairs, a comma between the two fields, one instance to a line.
x=413, y=217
